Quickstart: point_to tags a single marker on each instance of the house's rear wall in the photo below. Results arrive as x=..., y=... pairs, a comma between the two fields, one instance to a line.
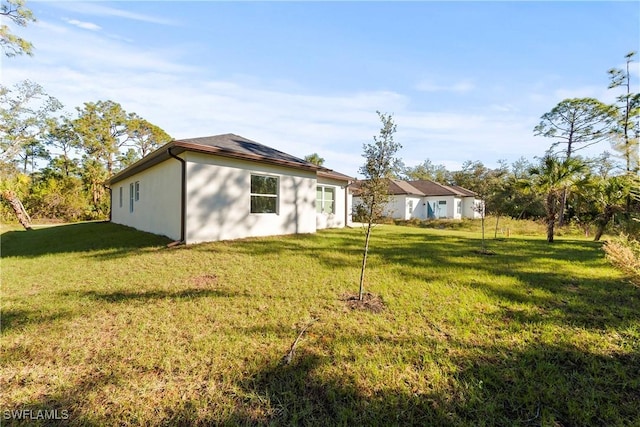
x=158, y=208
x=219, y=200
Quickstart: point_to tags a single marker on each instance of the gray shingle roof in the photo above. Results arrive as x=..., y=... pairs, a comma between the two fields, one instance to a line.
x=232, y=143
x=226, y=145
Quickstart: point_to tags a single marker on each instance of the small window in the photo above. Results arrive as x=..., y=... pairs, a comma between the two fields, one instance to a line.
x=137, y=190
x=442, y=202
x=121, y=195
x=459, y=207
x=325, y=199
x=264, y=194
x=131, y=196
x=410, y=206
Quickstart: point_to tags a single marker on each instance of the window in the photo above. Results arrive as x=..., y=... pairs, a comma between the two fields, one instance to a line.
x=264, y=194
x=459, y=208
x=410, y=207
x=325, y=199
x=121, y=191
x=131, y=196
x=137, y=190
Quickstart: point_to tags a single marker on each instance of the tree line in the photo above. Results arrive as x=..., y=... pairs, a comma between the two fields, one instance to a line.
x=53, y=165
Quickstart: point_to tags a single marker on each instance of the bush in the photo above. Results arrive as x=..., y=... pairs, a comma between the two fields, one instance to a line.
x=624, y=253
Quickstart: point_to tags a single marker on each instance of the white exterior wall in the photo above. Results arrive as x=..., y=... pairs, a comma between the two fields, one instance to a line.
x=219, y=201
x=158, y=208
x=448, y=211
x=469, y=207
x=396, y=207
x=342, y=205
x=418, y=207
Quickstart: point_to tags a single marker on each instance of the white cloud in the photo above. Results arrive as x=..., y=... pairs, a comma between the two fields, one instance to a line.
x=462, y=86
x=84, y=25
x=190, y=101
x=97, y=9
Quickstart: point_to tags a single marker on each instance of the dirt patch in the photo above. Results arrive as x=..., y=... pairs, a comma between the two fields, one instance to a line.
x=205, y=281
x=369, y=302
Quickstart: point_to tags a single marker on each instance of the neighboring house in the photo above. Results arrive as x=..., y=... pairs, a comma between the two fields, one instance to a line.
x=428, y=200
x=227, y=187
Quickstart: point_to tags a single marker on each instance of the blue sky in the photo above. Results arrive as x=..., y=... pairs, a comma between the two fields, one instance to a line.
x=464, y=80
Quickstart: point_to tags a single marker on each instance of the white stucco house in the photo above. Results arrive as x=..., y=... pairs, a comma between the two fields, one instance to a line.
x=227, y=187
x=428, y=200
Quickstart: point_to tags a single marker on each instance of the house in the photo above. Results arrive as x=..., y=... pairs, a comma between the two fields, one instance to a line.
x=227, y=187
x=425, y=199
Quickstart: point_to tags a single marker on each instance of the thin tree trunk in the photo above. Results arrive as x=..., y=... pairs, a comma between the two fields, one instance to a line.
x=495, y=234
x=18, y=208
x=482, y=222
x=364, y=261
x=563, y=202
x=602, y=224
x=551, y=216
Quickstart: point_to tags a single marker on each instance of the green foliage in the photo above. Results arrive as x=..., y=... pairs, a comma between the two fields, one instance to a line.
x=380, y=165
x=20, y=15
x=427, y=171
x=24, y=111
x=110, y=324
x=315, y=159
x=576, y=123
x=551, y=178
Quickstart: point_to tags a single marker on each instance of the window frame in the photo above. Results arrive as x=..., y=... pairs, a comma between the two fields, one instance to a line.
x=321, y=202
x=137, y=189
x=121, y=194
x=275, y=195
x=131, y=197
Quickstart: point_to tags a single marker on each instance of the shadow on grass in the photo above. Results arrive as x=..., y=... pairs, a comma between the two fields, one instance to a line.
x=15, y=318
x=123, y=297
x=539, y=385
x=116, y=240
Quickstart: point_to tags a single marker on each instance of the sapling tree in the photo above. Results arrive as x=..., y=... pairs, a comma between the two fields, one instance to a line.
x=380, y=165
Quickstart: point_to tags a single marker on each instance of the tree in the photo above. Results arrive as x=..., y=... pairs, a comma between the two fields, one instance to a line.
x=23, y=118
x=380, y=165
x=576, y=123
x=315, y=159
x=144, y=137
x=625, y=133
x=111, y=139
x=608, y=196
x=20, y=15
x=550, y=179
x=427, y=171
x=105, y=132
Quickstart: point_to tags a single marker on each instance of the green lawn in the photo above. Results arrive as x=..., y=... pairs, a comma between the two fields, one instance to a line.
x=108, y=324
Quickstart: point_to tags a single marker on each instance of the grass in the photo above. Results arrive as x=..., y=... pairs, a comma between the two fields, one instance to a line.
x=110, y=325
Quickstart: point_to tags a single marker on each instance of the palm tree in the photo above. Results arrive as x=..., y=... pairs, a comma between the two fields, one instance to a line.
x=550, y=179
x=609, y=197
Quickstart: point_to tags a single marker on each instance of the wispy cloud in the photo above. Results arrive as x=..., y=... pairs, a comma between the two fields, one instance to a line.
x=432, y=86
x=96, y=9
x=84, y=25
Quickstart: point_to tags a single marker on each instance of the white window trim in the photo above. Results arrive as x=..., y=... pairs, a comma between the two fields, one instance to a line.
x=276, y=195
x=323, y=200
